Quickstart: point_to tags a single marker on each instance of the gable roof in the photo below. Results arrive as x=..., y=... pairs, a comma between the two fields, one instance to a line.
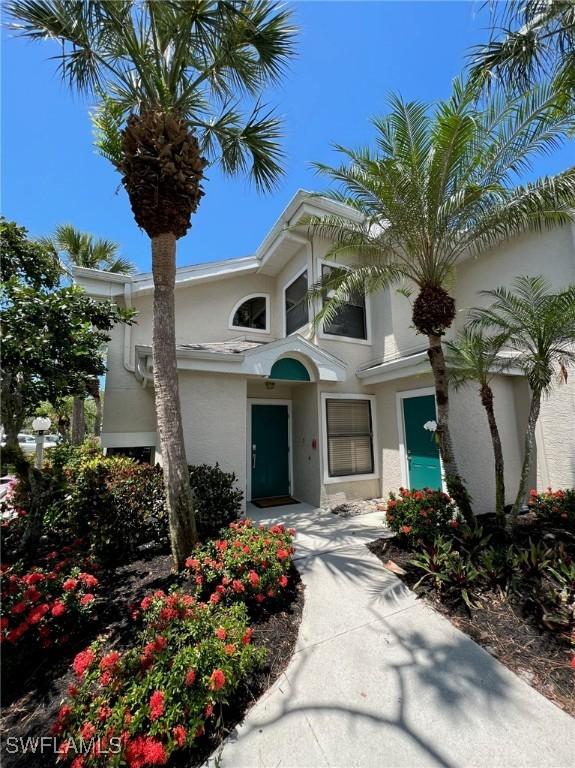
x=277, y=247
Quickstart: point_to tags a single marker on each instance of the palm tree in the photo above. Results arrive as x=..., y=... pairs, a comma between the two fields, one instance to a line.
x=531, y=39
x=538, y=327
x=81, y=249
x=172, y=78
x=473, y=356
x=438, y=187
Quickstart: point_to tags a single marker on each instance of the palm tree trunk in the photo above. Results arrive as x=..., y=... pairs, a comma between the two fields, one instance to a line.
x=454, y=482
x=534, y=410
x=78, y=421
x=487, y=400
x=179, y=495
x=94, y=391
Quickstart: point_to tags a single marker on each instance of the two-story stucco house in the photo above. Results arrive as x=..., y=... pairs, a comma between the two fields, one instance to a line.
x=324, y=414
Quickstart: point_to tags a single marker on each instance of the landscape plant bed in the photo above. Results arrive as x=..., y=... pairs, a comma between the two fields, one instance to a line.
x=504, y=625
x=33, y=693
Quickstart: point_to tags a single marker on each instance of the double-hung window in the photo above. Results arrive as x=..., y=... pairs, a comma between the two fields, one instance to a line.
x=296, y=304
x=349, y=437
x=350, y=320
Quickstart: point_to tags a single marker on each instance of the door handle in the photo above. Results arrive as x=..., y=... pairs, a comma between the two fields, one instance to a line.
x=253, y=460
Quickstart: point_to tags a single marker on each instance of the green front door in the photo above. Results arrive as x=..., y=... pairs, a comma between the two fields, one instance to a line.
x=270, y=451
x=423, y=465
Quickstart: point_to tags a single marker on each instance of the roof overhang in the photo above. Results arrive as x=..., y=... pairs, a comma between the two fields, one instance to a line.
x=412, y=365
x=255, y=362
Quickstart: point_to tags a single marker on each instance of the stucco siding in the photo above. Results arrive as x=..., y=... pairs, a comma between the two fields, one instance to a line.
x=306, y=452
x=556, y=438
x=214, y=421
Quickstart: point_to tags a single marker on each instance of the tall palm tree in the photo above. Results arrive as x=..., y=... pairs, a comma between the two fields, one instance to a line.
x=531, y=40
x=172, y=77
x=439, y=186
x=81, y=249
x=475, y=357
x=538, y=326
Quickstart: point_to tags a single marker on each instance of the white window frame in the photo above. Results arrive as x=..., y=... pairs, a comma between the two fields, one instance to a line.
x=292, y=280
x=265, y=401
x=327, y=478
x=347, y=339
x=258, y=295
x=399, y=398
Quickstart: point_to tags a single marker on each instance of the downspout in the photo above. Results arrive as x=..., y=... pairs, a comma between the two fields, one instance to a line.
x=128, y=364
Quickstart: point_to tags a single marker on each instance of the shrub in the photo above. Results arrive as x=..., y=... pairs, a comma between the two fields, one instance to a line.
x=247, y=563
x=47, y=603
x=447, y=570
x=419, y=516
x=217, y=498
x=158, y=696
x=555, y=507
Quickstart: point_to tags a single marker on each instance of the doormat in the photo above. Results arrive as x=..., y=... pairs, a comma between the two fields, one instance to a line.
x=274, y=501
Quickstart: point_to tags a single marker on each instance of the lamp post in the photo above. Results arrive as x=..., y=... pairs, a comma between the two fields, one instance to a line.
x=40, y=425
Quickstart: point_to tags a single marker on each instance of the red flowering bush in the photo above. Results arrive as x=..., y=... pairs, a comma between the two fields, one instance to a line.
x=247, y=563
x=555, y=507
x=136, y=708
x=46, y=603
x=419, y=516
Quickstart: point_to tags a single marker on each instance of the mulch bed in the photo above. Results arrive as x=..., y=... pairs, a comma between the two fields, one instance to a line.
x=33, y=692
x=503, y=626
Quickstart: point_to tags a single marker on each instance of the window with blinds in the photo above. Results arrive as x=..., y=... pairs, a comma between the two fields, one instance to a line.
x=349, y=437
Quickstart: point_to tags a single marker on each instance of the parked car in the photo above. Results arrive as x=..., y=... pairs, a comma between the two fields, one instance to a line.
x=28, y=442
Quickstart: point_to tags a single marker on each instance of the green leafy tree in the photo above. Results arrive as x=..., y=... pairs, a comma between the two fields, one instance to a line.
x=51, y=336
x=531, y=40
x=538, y=327
x=440, y=184
x=475, y=357
x=81, y=249
x=173, y=77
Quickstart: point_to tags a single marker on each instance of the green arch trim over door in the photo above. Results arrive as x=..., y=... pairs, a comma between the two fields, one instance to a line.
x=289, y=369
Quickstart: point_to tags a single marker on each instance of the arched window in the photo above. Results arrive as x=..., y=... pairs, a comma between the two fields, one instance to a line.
x=252, y=312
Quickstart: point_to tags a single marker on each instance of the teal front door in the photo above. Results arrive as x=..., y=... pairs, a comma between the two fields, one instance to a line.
x=423, y=465
x=270, y=451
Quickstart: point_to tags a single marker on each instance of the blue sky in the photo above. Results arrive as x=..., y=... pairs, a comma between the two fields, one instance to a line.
x=351, y=55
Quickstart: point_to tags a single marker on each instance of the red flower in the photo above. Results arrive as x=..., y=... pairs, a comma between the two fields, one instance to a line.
x=190, y=677
x=88, y=580
x=405, y=529
x=215, y=597
x=69, y=585
x=87, y=731
x=72, y=690
x=82, y=661
x=179, y=734
x=283, y=580
x=87, y=599
x=453, y=523
x=4, y=621
x=64, y=712
x=38, y=613
x=104, y=712
x=260, y=597
x=246, y=639
x=157, y=702
x=230, y=649
x=237, y=586
x=144, y=750
x=109, y=661
x=58, y=608
x=254, y=578
x=19, y=608
x=221, y=633
x=77, y=762
x=105, y=678
x=193, y=563
x=146, y=602
x=217, y=680
x=418, y=496
x=282, y=554
x=573, y=662
x=160, y=643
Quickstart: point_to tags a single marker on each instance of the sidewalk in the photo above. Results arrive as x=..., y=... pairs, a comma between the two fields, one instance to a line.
x=379, y=679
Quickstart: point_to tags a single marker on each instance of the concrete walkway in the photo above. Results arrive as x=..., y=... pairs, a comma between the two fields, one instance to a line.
x=379, y=679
